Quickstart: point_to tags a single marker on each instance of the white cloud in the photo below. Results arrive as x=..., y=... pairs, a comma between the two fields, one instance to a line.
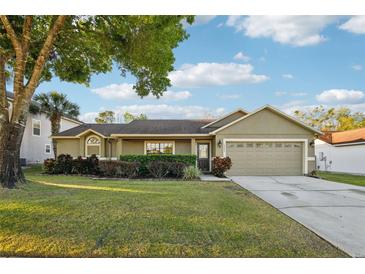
x=161, y=111
x=357, y=67
x=218, y=74
x=340, y=96
x=287, y=76
x=355, y=24
x=299, y=94
x=241, y=57
x=126, y=92
x=203, y=19
x=293, y=30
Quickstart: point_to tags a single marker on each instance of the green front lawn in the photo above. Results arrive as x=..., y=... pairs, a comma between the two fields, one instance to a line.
x=70, y=216
x=343, y=178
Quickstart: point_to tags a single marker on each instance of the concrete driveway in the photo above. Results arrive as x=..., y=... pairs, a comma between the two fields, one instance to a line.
x=332, y=210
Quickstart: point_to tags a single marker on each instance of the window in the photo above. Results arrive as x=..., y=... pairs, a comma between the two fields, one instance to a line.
x=93, y=146
x=159, y=147
x=48, y=149
x=36, y=127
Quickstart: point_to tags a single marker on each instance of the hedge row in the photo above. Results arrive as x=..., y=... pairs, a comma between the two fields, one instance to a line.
x=129, y=166
x=145, y=160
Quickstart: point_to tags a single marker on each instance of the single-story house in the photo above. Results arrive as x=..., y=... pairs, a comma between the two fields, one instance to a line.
x=341, y=151
x=263, y=142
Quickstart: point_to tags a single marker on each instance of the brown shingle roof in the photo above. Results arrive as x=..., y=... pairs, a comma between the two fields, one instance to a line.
x=342, y=137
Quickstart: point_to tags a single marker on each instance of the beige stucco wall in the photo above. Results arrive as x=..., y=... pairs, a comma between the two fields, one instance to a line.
x=68, y=146
x=182, y=147
x=133, y=147
x=269, y=125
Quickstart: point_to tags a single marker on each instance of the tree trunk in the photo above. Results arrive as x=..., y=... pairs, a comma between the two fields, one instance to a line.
x=55, y=128
x=10, y=141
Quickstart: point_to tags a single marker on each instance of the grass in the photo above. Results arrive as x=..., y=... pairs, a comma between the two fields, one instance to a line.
x=71, y=216
x=356, y=180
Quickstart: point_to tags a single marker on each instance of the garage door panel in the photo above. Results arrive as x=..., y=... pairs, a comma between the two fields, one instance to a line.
x=265, y=158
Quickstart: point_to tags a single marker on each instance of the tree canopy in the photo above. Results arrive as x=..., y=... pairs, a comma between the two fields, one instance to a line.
x=129, y=117
x=105, y=117
x=34, y=49
x=329, y=119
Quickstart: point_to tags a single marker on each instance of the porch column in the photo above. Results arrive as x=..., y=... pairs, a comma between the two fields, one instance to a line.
x=82, y=146
x=119, y=147
x=193, y=146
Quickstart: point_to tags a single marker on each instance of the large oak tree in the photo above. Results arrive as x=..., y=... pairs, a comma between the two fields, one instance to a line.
x=36, y=48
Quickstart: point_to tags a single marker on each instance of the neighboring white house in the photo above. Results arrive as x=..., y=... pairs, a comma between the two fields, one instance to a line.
x=342, y=151
x=36, y=144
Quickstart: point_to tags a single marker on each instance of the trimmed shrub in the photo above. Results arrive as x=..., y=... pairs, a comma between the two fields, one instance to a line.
x=144, y=160
x=79, y=166
x=128, y=169
x=92, y=164
x=177, y=169
x=122, y=169
x=48, y=166
x=158, y=169
x=221, y=165
x=191, y=173
x=64, y=164
x=108, y=167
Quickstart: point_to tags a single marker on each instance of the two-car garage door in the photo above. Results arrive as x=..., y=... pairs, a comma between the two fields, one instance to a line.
x=265, y=158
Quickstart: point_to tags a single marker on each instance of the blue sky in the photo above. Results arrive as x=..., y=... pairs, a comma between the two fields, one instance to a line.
x=291, y=62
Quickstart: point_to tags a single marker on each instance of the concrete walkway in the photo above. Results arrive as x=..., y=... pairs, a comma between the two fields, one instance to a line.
x=212, y=178
x=332, y=210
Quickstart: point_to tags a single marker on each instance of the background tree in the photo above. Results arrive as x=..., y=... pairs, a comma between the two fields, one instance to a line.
x=36, y=48
x=55, y=105
x=129, y=117
x=105, y=117
x=331, y=119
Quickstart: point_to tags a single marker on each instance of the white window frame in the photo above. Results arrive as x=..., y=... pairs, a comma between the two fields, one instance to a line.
x=159, y=141
x=40, y=127
x=45, y=149
x=305, y=158
x=96, y=145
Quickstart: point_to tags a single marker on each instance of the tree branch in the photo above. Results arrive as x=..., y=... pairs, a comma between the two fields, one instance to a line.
x=11, y=34
x=38, y=67
x=18, y=71
x=4, y=111
x=27, y=26
x=43, y=55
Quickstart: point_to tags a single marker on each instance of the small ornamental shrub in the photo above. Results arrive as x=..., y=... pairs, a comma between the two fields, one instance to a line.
x=48, y=166
x=64, y=164
x=92, y=165
x=79, y=166
x=221, y=165
x=158, y=169
x=177, y=169
x=191, y=173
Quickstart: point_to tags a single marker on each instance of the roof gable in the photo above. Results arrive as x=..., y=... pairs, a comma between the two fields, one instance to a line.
x=275, y=111
x=226, y=119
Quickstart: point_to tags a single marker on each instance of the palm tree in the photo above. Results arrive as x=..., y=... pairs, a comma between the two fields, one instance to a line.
x=55, y=105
